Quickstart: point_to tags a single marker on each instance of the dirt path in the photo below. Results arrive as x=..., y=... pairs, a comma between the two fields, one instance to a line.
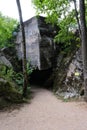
x=46, y=112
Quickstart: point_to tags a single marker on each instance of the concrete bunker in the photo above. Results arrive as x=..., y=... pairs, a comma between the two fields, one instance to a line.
x=40, y=48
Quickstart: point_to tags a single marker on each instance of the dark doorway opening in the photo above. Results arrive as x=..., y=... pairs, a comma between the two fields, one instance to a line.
x=40, y=77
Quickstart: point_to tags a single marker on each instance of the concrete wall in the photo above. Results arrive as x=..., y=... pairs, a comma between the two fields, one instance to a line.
x=39, y=43
x=32, y=42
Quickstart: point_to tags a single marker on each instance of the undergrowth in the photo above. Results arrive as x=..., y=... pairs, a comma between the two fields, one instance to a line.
x=11, y=86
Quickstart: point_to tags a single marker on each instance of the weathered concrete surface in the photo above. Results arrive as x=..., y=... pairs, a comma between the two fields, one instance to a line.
x=32, y=42
x=39, y=43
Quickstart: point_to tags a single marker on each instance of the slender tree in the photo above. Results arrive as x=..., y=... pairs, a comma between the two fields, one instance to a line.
x=24, y=49
x=77, y=18
x=84, y=42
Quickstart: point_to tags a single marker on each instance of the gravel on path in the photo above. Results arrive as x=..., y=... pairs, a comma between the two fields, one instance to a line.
x=46, y=112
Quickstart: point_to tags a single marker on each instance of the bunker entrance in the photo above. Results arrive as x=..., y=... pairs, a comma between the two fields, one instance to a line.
x=40, y=77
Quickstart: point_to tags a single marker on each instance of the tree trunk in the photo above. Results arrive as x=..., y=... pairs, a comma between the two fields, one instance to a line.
x=76, y=13
x=24, y=49
x=84, y=42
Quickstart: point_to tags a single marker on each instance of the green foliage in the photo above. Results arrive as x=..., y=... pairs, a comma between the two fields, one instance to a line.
x=53, y=8
x=58, y=12
x=7, y=26
x=11, y=86
x=29, y=69
x=6, y=72
x=8, y=88
x=19, y=78
x=13, y=77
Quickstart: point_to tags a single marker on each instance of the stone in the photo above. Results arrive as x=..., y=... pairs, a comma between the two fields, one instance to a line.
x=70, y=95
x=5, y=61
x=69, y=76
x=8, y=57
x=71, y=70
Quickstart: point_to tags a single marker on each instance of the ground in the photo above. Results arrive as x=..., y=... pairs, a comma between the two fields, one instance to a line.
x=46, y=112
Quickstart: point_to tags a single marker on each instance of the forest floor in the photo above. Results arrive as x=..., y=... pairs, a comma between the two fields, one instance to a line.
x=46, y=112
